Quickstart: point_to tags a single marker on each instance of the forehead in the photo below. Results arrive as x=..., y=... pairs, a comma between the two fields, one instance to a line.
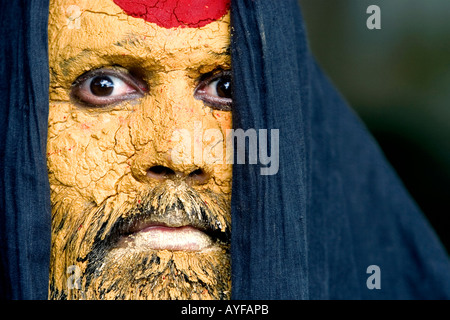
x=81, y=28
x=176, y=13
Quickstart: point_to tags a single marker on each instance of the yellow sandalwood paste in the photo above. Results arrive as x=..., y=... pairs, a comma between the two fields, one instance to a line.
x=105, y=159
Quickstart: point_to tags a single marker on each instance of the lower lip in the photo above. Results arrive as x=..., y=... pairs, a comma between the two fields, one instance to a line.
x=167, y=238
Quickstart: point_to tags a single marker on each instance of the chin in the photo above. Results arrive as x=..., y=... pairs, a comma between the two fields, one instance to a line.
x=162, y=274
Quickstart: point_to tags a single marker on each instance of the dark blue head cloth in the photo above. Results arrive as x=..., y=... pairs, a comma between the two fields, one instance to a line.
x=24, y=190
x=335, y=207
x=310, y=231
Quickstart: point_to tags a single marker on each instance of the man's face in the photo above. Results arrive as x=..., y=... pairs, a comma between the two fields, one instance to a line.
x=140, y=190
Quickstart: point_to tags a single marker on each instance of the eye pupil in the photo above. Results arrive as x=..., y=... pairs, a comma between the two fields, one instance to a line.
x=102, y=86
x=224, y=87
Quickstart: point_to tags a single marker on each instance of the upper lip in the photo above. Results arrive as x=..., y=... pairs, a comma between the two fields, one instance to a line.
x=139, y=223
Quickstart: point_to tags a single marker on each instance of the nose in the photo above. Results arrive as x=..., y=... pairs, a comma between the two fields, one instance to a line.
x=166, y=147
x=195, y=177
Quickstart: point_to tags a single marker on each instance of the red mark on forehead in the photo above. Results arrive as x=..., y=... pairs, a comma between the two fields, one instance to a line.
x=176, y=13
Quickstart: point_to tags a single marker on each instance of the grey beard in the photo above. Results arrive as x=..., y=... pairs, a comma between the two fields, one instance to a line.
x=112, y=272
x=162, y=275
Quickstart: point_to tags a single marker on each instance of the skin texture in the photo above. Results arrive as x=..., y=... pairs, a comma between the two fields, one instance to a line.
x=111, y=167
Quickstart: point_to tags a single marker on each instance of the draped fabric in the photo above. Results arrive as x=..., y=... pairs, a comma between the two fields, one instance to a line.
x=24, y=187
x=334, y=208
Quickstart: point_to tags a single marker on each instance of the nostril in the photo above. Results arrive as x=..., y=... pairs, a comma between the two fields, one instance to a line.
x=199, y=176
x=160, y=172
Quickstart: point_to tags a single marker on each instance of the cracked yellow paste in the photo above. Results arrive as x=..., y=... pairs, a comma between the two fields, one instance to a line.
x=100, y=156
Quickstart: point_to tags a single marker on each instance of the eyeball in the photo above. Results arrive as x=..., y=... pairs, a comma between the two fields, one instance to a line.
x=216, y=91
x=103, y=87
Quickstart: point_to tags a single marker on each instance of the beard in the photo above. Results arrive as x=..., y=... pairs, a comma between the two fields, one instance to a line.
x=94, y=255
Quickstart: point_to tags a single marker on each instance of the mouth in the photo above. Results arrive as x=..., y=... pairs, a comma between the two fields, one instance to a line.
x=162, y=237
x=169, y=217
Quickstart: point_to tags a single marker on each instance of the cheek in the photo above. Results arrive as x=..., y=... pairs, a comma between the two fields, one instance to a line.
x=224, y=120
x=222, y=171
x=81, y=152
x=90, y=155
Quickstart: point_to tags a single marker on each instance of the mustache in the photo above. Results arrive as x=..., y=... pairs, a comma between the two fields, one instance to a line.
x=171, y=204
x=178, y=205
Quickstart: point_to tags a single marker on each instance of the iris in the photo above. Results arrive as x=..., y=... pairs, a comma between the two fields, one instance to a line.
x=224, y=87
x=102, y=86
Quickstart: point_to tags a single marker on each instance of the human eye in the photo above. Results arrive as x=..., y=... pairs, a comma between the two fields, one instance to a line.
x=107, y=86
x=215, y=91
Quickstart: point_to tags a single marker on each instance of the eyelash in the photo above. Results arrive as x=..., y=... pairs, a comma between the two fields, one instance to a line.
x=82, y=88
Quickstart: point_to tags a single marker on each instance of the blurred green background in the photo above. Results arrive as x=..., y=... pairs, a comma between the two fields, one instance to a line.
x=398, y=81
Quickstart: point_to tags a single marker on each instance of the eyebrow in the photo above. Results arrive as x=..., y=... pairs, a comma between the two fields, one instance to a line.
x=128, y=40
x=83, y=56
x=87, y=57
x=135, y=40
